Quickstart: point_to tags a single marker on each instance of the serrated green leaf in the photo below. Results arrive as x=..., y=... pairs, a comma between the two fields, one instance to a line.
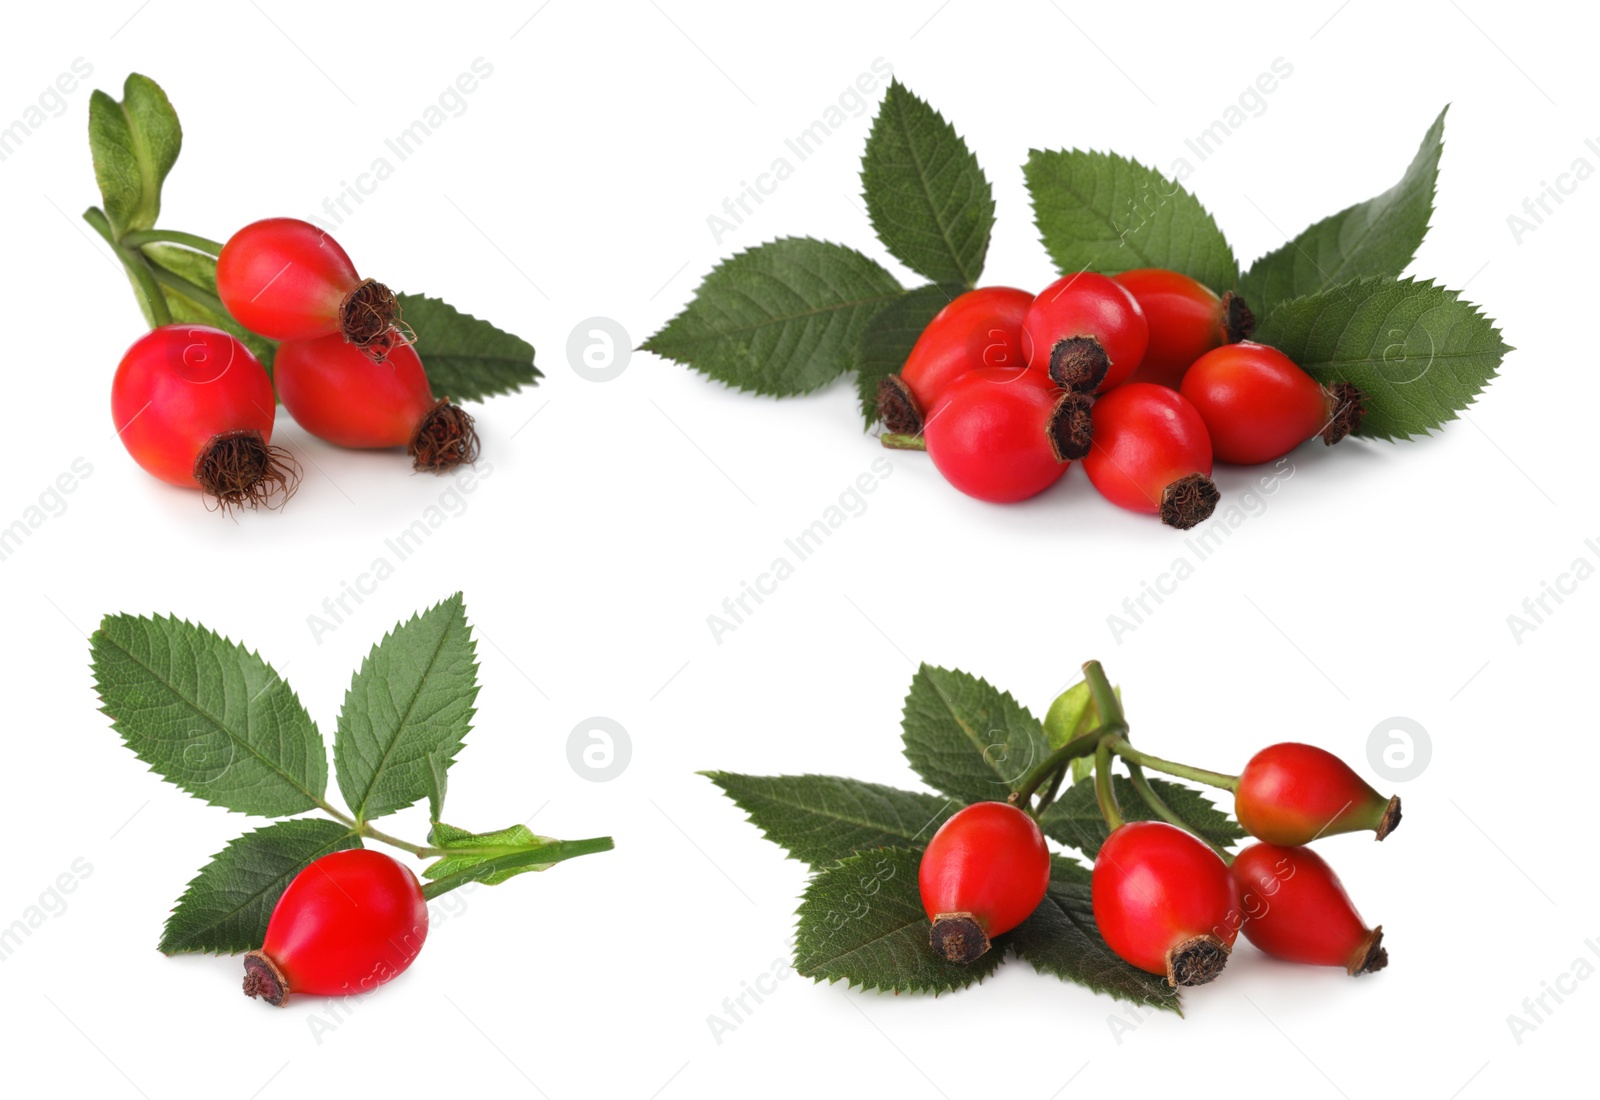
x=1074, y=819
x=1061, y=938
x=1104, y=212
x=887, y=340
x=966, y=738
x=208, y=715
x=226, y=906
x=467, y=359
x=823, y=818
x=407, y=711
x=780, y=319
x=201, y=269
x=862, y=922
x=134, y=144
x=1417, y=351
x=1376, y=237
x=1072, y=714
x=476, y=849
x=928, y=199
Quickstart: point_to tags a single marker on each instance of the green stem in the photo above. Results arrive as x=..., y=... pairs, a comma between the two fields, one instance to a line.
x=1104, y=695
x=1050, y=792
x=898, y=441
x=138, y=238
x=1103, y=791
x=1078, y=746
x=1167, y=813
x=1183, y=771
x=189, y=289
x=137, y=266
x=542, y=856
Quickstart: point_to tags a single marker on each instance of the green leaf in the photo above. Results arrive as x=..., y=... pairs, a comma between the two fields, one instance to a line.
x=491, y=858
x=1376, y=237
x=407, y=711
x=782, y=318
x=467, y=359
x=1103, y=212
x=966, y=738
x=1061, y=938
x=823, y=818
x=1072, y=714
x=134, y=144
x=861, y=921
x=201, y=269
x=1418, y=352
x=208, y=715
x=1074, y=818
x=929, y=201
x=226, y=906
x=887, y=340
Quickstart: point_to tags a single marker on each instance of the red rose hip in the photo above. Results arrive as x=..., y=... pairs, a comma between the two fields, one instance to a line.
x=1151, y=454
x=1292, y=793
x=1295, y=908
x=1004, y=435
x=983, y=873
x=1258, y=405
x=1086, y=332
x=1165, y=902
x=349, y=922
x=1186, y=318
x=981, y=328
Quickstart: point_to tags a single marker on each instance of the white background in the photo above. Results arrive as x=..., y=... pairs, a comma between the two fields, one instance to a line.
x=609, y=520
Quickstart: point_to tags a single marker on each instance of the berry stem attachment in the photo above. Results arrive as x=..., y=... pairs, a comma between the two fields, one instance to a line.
x=138, y=268
x=1141, y=783
x=1057, y=762
x=1104, y=793
x=1120, y=747
x=899, y=441
x=1106, y=703
x=138, y=238
x=541, y=857
x=188, y=289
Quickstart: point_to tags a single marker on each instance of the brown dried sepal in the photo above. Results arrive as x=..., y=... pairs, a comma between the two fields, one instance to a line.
x=1079, y=364
x=445, y=439
x=366, y=317
x=239, y=469
x=898, y=407
x=958, y=937
x=1189, y=501
x=1390, y=821
x=1370, y=955
x=263, y=979
x=1196, y=961
x=1238, y=322
x=1348, y=405
x=1071, y=426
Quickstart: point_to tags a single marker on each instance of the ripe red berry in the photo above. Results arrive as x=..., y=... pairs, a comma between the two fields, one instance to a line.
x=1259, y=406
x=1086, y=332
x=1295, y=908
x=349, y=922
x=1151, y=454
x=1186, y=318
x=337, y=392
x=288, y=280
x=194, y=407
x=981, y=328
x=1165, y=902
x=983, y=873
x=1293, y=793
x=1005, y=434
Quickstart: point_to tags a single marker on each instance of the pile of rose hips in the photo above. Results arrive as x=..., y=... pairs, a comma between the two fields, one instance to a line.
x=1145, y=377
x=196, y=408
x=1164, y=900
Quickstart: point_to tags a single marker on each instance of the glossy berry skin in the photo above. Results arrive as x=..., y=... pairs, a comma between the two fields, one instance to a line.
x=1085, y=331
x=1291, y=794
x=983, y=873
x=181, y=386
x=349, y=922
x=1295, y=908
x=981, y=328
x=1151, y=454
x=1258, y=405
x=285, y=279
x=989, y=434
x=1186, y=318
x=337, y=393
x=1165, y=902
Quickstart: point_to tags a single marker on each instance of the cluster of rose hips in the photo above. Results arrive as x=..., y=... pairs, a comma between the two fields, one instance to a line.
x=196, y=408
x=1145, y=377
x=1164, y=900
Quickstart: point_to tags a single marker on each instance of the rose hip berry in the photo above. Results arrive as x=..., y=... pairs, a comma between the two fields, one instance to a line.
x=337, y=392
x=1186, y=318
x=288, y=280
x=1258, y=405
x=1086, y=332
x=349, y=922
x=981, y=328
x=1151, y=454
x=1165, y=902
x=1292, y=793
x=194, y=407
x=1004, y=435
x=1295, y=908
x=983, y=873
